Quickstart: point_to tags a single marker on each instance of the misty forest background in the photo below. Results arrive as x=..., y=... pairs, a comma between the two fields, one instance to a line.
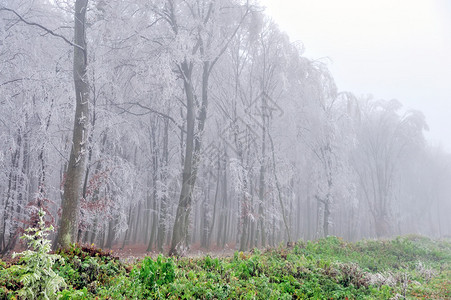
x=178, y=123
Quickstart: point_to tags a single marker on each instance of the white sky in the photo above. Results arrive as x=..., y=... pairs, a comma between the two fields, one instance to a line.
x=388, y=48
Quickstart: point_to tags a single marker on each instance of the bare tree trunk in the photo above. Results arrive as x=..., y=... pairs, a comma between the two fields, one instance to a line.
x=153, y=230
x=10, y=196
x=309, y=218
x=179, y=242
x=243, y=224
x=222, y=227
x=89, y=157
x=111, y=234
x=127, y=232
x=205, y=221
x=253, y=222
x=279, y=192
x=164, y=200
x=68, y=229
x=152, y=207
x=21, y=188
x=261, y=188
x=92, y=239
x=261, y=193
x=218, y=184
x=326, y=217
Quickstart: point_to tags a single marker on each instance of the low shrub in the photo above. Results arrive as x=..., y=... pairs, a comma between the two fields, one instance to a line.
x=34, y=271
x=326, y=269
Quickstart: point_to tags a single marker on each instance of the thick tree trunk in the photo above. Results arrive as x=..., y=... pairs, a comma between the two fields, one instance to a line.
x=179, y=242
x=68, y=229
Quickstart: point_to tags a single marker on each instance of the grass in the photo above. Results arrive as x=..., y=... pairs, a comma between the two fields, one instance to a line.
x=410, y=267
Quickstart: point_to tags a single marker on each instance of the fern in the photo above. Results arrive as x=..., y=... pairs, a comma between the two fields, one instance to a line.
x=36, y=273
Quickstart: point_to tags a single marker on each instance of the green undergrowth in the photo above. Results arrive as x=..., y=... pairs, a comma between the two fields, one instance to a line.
x=410, y=267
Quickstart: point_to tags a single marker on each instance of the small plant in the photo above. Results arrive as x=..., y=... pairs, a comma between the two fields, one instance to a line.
x=35, y=271
x=155, y=273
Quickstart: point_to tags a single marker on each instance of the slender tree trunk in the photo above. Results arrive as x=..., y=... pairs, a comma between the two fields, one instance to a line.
x=111, y=234
x=164, y=199
x=222, y=227
x=309, y=218
x=261, y=188
x=205, y=225
x=326, y=217
x=154, y=225
x=68, y=229
x=21, y=188
x=127, y=232
x=218, y=184
x=244, y=218
x=92, y=239
x=279, y=192
x=10, y=195
x=137, y=224
x=152, y=214
x=102, y=236
x=226, y=231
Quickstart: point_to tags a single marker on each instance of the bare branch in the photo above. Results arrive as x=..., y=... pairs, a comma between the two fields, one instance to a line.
x=12, y=81
x=149, y=110
x=226, y=45
x=42, y=27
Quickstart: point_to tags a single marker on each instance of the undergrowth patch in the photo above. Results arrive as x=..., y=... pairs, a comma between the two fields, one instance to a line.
x=411, y=267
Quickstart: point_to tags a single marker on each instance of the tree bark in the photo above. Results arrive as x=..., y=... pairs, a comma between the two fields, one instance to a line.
x=164, y=199
x=180, y=231
x=279, y=192
x=193, y=146
x=68, y=230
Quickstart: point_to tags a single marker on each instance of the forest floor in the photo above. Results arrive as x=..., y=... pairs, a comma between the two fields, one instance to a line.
x=409, y=267
x=129, y=253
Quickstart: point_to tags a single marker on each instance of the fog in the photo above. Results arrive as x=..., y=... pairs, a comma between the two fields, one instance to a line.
x=172, y=126
x=389, y=49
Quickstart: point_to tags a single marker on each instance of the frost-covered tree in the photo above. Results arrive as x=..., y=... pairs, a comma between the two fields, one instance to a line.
x=33, y=82
x=385, y=138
